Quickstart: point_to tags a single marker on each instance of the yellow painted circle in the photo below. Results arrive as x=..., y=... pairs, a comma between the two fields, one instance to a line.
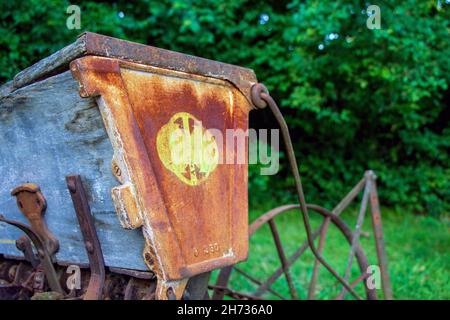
x=187, y=149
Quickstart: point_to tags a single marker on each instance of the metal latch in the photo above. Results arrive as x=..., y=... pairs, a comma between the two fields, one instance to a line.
x=32, y=204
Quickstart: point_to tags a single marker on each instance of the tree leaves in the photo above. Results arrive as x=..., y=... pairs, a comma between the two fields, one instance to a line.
x=354, y=98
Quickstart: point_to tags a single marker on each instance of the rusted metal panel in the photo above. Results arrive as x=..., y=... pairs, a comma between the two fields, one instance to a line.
x=193, y=221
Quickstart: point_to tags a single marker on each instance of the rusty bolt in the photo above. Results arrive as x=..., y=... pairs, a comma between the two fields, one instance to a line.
x=89, y=247
x=170, y=294
x=149, y=258
x=71, y=185
x=117, y=170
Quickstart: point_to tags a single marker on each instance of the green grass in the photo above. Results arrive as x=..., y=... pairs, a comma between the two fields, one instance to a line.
x=417, y=250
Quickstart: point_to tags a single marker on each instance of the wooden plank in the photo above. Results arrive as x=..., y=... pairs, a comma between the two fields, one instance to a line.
x=47, y=132
x=6, y=89
x=58, y=61
x=99, y=45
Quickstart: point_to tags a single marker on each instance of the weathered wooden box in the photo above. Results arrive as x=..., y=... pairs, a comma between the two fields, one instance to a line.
x=48, y=131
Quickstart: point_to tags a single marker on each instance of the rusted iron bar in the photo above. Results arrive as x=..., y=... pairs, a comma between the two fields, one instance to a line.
x=87, y=227
x=357, y=232
x=358, y=280
x=222, y=281
x=261, y=98
x=256, y=281
x=379, y=241
x=233, y=294
x=315, y=273
x=350, y=197
x=44, y=256
x=197, y=287
x=252, y=229
x=145, y=275
x=362, y=277
x=268, y=283
x=282, y=256
x=323, y=231
x=347, y=232
x=268, y=216
x=24, y=245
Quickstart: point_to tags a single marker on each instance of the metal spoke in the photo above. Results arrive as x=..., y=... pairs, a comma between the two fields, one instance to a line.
x=232, y=293
x=256, y=281
x=379, y=241
x=282, y=256
x=324, y=228
x=361, y=278
x=357, y=233
x=362, y=260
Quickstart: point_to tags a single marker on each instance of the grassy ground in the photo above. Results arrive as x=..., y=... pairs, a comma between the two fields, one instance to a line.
x=417, y=249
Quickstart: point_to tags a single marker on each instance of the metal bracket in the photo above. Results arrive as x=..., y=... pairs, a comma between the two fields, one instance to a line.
x=91, y=242
x=32, y=204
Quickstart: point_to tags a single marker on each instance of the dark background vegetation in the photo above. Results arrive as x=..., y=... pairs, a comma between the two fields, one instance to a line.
x=355, y=98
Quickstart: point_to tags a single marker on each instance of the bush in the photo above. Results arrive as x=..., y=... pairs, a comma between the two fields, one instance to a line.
x=354, y=98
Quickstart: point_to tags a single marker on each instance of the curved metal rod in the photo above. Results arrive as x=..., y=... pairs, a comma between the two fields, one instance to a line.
x=269, y=215
x=233, y=294
x=336, y=220
x=347, y=232
x=340, y=224
x=43, y=254
x=260, y=94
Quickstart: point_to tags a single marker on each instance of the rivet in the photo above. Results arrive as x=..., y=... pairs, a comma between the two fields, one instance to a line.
x=149, y=258
x=71, y=185
x=89, y=247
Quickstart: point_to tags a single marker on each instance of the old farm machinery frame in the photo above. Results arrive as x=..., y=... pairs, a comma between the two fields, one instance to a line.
x=105, y=108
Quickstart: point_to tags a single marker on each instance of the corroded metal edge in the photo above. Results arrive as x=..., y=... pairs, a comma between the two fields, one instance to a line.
x=96, y=44
x=90, y=43
x=101, y=77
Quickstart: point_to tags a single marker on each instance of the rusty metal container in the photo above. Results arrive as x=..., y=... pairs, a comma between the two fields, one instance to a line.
x=105, y=109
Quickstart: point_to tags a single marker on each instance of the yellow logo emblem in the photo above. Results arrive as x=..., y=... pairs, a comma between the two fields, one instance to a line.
x=187, y=149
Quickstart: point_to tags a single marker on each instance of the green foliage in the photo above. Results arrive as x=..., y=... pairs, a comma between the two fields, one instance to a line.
x=373, y=99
